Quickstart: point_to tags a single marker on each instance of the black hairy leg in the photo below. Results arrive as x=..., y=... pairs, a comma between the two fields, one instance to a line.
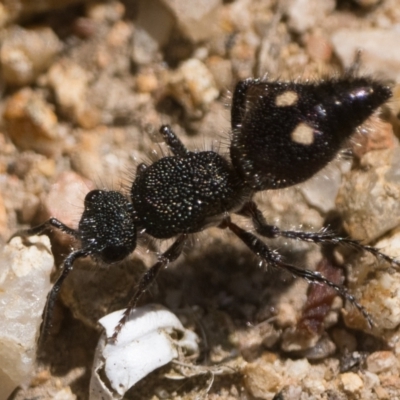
x=274, y=260
x=50, y=223
x=53, y=294
x=324, y=236
x=148, y=279
x=66, y=269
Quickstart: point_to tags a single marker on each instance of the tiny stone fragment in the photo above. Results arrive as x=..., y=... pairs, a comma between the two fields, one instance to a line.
x=27, y=53
x=351, y=382
x=365, y=216
x=321, y=350
x=146, y=82
x=193, y=86
x=31, y=123
x=113, y=97
x=305, y=14
x=221, y=70
x=152, y=31
x=378, y=46
x=70, y=84
x=381, y=361
x=297, y=369
x=197, y=23
x=261, y=380
x=251, y=341
x=110, y=11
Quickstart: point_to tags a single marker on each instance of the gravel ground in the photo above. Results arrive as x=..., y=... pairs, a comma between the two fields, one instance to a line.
x=86, y=86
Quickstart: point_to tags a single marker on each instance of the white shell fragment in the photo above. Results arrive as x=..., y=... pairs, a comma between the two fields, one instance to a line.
x=146, y=342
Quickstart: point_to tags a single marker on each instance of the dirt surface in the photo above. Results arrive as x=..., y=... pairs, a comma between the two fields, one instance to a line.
x=86, y=86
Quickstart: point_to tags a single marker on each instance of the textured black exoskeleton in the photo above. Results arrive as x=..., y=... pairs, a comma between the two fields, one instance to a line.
x=282, y=134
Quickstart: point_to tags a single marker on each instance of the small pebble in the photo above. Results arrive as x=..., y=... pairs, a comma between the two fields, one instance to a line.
x=297, y=369
x=221, y=70
x=31, y=123
x=70, y=83
x=146, y=82
x=26, y=53
x=322, y=349
x=197, y=23
x=351, y=382
x=261, y=380
x=382, y=361
x=378, y=47
x=192, y=85
x=369, y=198
x=153, y=28
x=111, y=11
x=305, y=14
